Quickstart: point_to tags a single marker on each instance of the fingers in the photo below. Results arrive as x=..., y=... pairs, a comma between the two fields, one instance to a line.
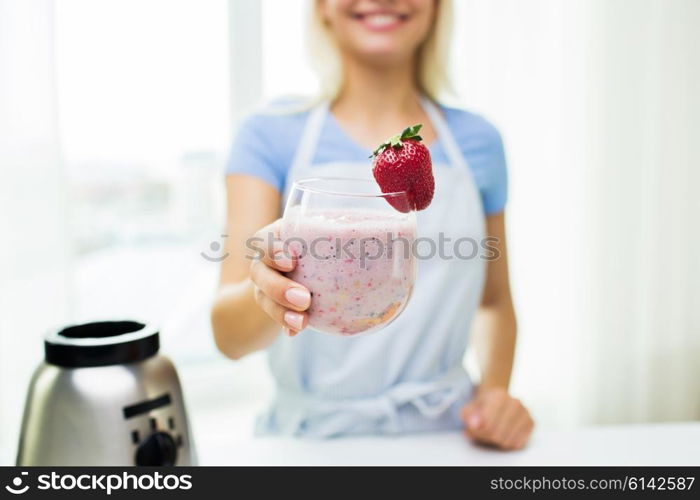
x=520, y=432
x=472, y=419
x=279, y=288
x=292, y=321
x=495, y=418
x=503, y=421
x=271, y=257
x=290, y=332
x=482, y=424
x=281, y=298
x=268, y=249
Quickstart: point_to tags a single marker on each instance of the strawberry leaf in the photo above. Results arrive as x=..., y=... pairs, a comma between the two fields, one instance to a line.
x=395, y=141
x=411, y=132
x=379, y=150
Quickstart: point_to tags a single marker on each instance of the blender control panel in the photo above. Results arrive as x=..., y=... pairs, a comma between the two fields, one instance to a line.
x=158, y=443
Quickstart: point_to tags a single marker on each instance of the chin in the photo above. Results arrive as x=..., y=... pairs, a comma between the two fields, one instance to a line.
x=385, y=54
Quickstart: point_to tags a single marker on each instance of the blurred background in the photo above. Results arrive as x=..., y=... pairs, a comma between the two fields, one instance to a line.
x=115, y=121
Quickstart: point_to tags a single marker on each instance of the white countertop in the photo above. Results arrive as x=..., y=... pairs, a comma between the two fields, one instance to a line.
x=649, y=444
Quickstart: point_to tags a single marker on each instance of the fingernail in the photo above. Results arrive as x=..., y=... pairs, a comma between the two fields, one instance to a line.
x=474, y=421
x=293, y=319
x=282, y=260
x=299, y=297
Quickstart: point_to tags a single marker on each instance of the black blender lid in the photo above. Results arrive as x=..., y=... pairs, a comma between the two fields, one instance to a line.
x=102, y=343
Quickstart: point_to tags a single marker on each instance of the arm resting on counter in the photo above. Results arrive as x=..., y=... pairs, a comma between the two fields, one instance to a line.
x=495, y=324
x=493, y=416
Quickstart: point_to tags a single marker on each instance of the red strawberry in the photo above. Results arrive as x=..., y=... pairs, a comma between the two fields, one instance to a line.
x=403, y=164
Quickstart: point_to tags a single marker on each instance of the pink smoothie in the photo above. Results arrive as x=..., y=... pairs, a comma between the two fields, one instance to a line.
x=357, y=265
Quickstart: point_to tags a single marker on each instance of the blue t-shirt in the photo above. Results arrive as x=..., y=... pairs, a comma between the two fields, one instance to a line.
x=267, y=142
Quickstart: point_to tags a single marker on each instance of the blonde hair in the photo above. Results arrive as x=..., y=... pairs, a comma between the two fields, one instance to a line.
x=433, y=54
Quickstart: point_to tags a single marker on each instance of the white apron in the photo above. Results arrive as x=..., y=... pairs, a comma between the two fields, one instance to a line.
x=408, y=377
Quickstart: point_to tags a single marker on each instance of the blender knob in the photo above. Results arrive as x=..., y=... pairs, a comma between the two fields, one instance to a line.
x=157, y=449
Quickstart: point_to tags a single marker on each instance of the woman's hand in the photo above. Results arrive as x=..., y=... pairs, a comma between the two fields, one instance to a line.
x=281, y=298
x=495, y=418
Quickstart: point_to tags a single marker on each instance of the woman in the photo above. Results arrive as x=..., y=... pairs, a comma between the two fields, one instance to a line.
x=382, y=65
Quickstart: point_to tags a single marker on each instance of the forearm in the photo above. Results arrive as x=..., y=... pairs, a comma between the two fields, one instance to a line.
x=495, y=336
x=240, y=326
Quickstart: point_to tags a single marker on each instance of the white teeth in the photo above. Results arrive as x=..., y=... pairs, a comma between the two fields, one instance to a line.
x=381, y=19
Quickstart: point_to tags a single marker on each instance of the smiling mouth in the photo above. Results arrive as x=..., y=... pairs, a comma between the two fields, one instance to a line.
x=380, y=21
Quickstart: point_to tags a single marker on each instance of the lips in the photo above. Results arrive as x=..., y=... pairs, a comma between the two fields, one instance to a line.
x=380, y=21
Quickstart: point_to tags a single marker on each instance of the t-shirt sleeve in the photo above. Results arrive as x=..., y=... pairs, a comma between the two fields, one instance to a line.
x=254, y=153
x=482, y=146
x=494, y=189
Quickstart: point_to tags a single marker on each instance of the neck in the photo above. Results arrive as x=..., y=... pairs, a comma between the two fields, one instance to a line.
x=371, y=91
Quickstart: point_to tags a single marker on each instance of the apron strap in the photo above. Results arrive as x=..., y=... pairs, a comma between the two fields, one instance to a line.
x=309, y=138
x=452, y=150
x=312, y=131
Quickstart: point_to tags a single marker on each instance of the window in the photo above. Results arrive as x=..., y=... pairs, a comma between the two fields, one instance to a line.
x=143, y=93
x=286, y=70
